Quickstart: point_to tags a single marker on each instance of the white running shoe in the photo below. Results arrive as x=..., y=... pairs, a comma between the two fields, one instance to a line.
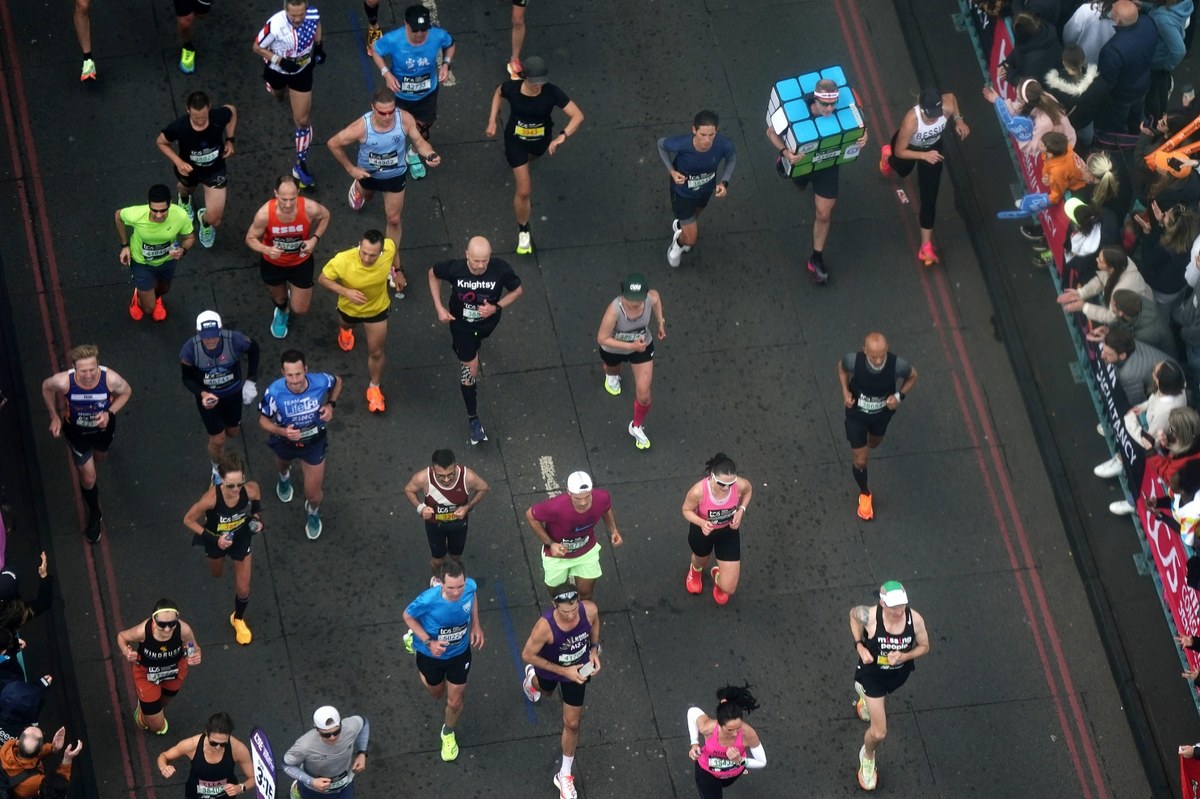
x=612, y=384
x=527, y=685
x=1110, y=468
x=566, y=786
x=1121, y=508
x=639, y=436
x=674, y=253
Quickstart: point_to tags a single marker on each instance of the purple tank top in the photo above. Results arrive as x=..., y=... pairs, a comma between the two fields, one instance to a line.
x=569, y=648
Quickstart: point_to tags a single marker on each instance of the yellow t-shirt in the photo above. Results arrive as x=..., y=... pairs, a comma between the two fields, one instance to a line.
x=348, y=270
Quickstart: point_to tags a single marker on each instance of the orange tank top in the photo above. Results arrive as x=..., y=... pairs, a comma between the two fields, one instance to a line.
x=288, y=237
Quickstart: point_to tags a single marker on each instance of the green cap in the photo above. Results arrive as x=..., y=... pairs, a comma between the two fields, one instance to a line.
x=892, y=594
x=634, y=287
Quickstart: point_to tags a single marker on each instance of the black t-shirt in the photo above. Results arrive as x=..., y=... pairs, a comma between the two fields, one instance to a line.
x=201, y=148
x=530, y=117
x=468, y=291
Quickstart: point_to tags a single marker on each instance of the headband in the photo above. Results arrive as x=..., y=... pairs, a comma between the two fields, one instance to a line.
x=154, y=615
x=1021, y=91
x=829, y=97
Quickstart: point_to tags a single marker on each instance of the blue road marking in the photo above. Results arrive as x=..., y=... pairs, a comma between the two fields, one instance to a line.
x=513, y=648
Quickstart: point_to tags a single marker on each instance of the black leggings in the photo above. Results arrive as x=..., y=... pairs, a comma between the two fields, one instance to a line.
x=929, y=179
x=711, y=787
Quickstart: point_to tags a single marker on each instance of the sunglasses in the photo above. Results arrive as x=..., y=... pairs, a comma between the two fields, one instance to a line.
x=218, y=744
x=167, y=625
x=723, y=483
x=384, y=113
x=331, y=733
x=566, y=596
x=228, y=484
x=824, y=104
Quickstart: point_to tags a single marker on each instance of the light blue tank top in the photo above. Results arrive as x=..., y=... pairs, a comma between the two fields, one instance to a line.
x=382, y=154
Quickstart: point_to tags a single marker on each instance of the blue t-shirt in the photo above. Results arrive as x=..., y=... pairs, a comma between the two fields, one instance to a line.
x=414, y=65
x=445, y=621
x=286, y=408
x=699, y=168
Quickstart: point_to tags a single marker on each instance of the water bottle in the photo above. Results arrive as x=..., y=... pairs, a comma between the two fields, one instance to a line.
x=191, y=649
x=256, y=526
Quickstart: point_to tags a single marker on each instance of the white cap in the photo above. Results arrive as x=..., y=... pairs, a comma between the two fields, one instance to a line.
x=579, y=482
x=892, y=594
x=208, y=322
x=326, y=718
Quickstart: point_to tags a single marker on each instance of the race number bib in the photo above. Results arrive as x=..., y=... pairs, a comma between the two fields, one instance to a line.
x=529, y=131
x=204, y=157
x=159, y=674
x=340, y=781
x=871, y=404
x=383, y=160
x=573, y=544
x=414, y=84
x=151, y=252
x=700, y=181
x=471, y=313
x=452, y=635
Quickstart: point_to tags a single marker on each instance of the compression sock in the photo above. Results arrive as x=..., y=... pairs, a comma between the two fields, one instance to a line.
x=447, y=730
x=816, y=255
x=471, y=400
x=239, y=605
x=523, y=228
x=87, y=56
x=91, y=496
x=639, y=413
x=303, y=140
x=860, y=477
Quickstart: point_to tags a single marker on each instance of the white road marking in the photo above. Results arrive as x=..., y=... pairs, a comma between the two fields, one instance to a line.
x=546, y=465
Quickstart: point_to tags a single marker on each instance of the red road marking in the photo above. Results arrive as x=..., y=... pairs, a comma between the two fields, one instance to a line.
x=1028, y=565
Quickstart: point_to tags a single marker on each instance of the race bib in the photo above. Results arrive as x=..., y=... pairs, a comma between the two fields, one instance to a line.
x=719, y=764
x=719, y=517
x=157, y=674
x=217, y=379
x=307, y=433
x=871, y=404
x=573, y=544
x=445, y=513
x=529, y=130
x=152, y=251
x=383, y=160
x=414, y=84
x=289, y=245
x=569, y=658
x=91, y=420
x=471, y=313
x=700, y=181
x=452, y=635
x=631, y=336
x=341, y=781
x=204, y=157
x=211, y=787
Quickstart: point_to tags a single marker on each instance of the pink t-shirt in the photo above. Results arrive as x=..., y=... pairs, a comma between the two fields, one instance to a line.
x=713, y=757
x=564, y=525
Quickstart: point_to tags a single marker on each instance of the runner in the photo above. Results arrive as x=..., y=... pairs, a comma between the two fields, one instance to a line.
x=692, y=164
x=564, y=650
x=285, y=232
x=186, y=12
x=566, y=526
x=359, y=277
x=290, y=46
x=824, y=181
x=477, y=298
x=625, y=336
x=451, y=493
x=518, y=38
x=730, y=745
x=152, y=250
x=381, y=134
x=443, y=625
x=529, y=133
x=874, y=383
x=93, y=396
x=918, y=143
x=294, y=410
x=224, y=521
x=325, y=760
x=211, y=363
x=715, y=508
x=887, y=640
x=83, y=32
x=214, y=754
x=371, y=9
x=205, y=137
x=414, y=51
x=161, y=649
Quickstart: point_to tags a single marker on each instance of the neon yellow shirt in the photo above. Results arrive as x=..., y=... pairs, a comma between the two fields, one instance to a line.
x=150, y=243
x=348, y=270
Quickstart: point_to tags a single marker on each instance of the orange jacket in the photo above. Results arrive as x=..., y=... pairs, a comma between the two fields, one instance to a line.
x=1062, y=172
x=13, y=764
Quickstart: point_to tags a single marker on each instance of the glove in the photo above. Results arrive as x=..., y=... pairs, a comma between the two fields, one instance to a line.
x=319, y=53
x=249, y=392
x=289, y=65
x=1028, y=205
x=1021, y=127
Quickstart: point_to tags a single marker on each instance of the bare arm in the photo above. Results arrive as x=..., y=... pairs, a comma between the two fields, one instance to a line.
x=844, y=381
x=120, y=390
x=656, y=309
x=354, y=133
x=911, y=381
x=610, y=521
x=690, y=503
x=477, y=486
x=241, y=756
x=951, y=109
x=194, y=518
x=415, y=484
x=537, y=639
x=52, y=388
x=493, y=122
x=907, y=128
x=860, y=617
x=922, y=646
x=604, y=336
x=127, y=641
x=255, y=233
x=510, y=297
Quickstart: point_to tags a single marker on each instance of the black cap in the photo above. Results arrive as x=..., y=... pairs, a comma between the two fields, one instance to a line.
x=931, y=102
x=417, y=18
x=533, y=69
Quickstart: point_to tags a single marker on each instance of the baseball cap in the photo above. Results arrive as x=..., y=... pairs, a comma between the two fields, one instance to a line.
x=634, y=287
x=931, y=102
x=579, y=482
x=417, y=18
x=327, y=717
x=533, y=69
x=208, y=324
x=893, y=594
x=1071, y=206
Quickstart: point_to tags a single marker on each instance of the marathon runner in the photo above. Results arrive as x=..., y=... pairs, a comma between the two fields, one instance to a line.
x=518, y=38
x=205, y=138
x=371, y=9
x=692, y=162
x=625, y=336
x=715, y=508
x=325, y=760
x=186, y=12
x=83, y=32
x=152, y=249
x=93, y=395
x=724, y=745
x=161, y=649
x=566, y=526
x=213, y=755
x=451, y=492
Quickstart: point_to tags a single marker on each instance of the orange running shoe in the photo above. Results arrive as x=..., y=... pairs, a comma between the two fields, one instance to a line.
x=865, y=511
x=885, y=168
x=375, y=402
x=135, y=311
x=927, y=254
x=695, y=580
x=159, y=314
x=719, y=596
x=346, y=339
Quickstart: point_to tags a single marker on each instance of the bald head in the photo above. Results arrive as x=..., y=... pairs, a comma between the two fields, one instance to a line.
x=479, y=252
x=875, y=347
x=1124, y=13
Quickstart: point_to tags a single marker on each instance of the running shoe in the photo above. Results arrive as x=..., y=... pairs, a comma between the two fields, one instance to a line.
x=524, y=242
x=566, y=786
x=866, y=510
x=137, y=717
x=695, y=580
x=408, y=643
x=719, y=596
x=375, y=400
x=1121, y=507
x=817, y=267
x=531, y=693
x=416, y=166
x=312, y=526
x=1110, y=468
x=477, y=432
x=207, y=233
x=449, y=746
x=866, y=770
x=159, y=314
x=279, y=323
x=885, y=168
x=302, y=175
x=435, y=582
x=927, y=255
x=283, y=489
x=675, y=254
x=373, y=35
x=187, y=61
x=135, y=311
x=860, y=706
x=89, y=70
x=346, y=339
x=355, y=196
x=295, y=792
x=92, y=531
x=612, y=384
x=639, y=436
x=241, y=632
x=185, y=202
x=1042, y=259
x=514, y=68
x=1033, y=232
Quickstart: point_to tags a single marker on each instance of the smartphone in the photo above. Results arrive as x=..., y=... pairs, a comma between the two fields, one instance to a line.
x=586, y=669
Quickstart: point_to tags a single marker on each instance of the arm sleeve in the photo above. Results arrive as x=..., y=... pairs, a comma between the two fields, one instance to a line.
x=693, y=716
x=756, y=757
x=730, y=163
x=665, y=154
x=253, y=355
x=293, y=764
x=45, y=596
x=364, y=736
x=192, y=378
